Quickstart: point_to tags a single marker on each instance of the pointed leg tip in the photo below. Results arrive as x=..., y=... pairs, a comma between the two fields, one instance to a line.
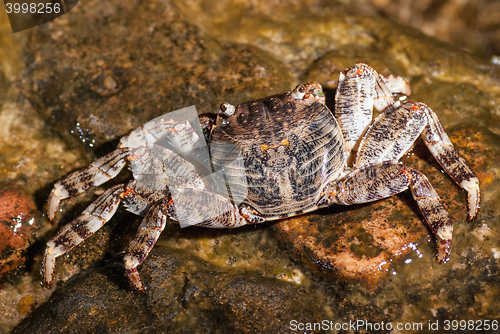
x=473, y=198
x=52, y=206
x=51, y=214
x=141, y=289
x=473, y=215
x=473, y=208
x=48, y=266
x=135, y=280
x=46, y=280
x=46, y=284
x=444, y=248
x=441, y=258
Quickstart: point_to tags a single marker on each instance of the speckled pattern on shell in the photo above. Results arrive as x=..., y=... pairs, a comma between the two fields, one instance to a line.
x=291, y=149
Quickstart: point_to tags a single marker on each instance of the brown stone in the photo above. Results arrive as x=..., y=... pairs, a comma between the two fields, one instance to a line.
x=17, y=225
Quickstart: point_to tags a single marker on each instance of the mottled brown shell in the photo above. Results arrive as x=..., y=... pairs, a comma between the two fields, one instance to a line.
x=290, y=149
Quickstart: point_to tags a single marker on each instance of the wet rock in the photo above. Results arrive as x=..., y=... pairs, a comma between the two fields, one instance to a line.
x=183, y=295
x=264, y=306
x=467, y=24
x=17, y=228
x=167, y=64
x=356, y=243
x=105, y=311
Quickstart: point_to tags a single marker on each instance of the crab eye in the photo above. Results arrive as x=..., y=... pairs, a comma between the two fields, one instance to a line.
x=298, y=92
x=227, y=109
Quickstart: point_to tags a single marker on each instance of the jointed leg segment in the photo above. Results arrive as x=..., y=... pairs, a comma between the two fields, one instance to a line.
x=433, y=210
x=394, y=132
x=384, y=179
x=452, y=162
x=361, y=88
x=98, y=172
x=149, y=231
x=91, y=219
x=388, y=138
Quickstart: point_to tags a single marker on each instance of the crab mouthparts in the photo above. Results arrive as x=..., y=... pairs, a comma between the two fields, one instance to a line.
x=319, y=96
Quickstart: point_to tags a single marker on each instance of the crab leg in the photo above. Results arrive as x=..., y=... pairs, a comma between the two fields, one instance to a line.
x=361, y=88
x=384, y=179
x=434, y=212
x=179, y=135
x=366, y=184
x=452, y=162
x=149, y=231
x=188, y=206
x=98, y=172
x=391, y=134
x=159, y=162
x=80, y=228
x=394, y=132
x=196, y=207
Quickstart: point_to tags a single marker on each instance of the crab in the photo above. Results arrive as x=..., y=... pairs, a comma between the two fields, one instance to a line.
x=269, y=159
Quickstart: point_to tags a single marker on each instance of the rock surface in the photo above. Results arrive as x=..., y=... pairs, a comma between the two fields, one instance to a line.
x=17, y=229
x=184, y=295
x=105, y=68
x=469, y=24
